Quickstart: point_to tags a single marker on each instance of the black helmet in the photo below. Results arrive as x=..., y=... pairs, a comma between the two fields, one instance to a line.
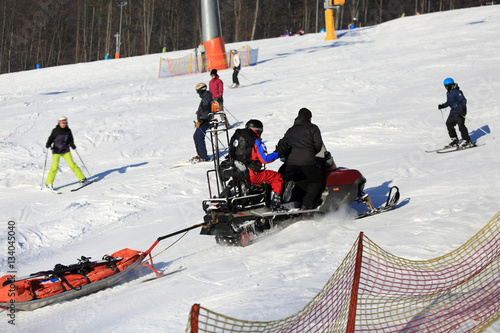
x=256, y=125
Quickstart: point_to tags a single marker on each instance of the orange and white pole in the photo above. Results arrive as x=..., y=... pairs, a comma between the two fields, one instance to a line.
x=212, y=40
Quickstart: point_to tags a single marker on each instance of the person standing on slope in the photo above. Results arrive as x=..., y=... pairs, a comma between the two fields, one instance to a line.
x=216, y=87
x=61, y=140
x=457, y=102
x=236, y=68
x=202, y=123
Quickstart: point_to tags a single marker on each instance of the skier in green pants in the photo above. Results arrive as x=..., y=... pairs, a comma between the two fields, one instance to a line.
x=61, y=139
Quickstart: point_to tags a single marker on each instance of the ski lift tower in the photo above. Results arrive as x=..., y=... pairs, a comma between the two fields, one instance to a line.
x=118, y=36
x=330, y=5
x=212, y=40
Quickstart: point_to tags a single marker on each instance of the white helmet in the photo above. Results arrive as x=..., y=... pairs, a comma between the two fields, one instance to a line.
x=61, y=118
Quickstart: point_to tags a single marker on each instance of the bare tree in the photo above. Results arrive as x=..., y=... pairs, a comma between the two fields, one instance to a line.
x=255, y=19
x=237, y=18
x=146, y=18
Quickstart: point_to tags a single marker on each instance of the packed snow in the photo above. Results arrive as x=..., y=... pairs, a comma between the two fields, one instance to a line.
x=374, y=97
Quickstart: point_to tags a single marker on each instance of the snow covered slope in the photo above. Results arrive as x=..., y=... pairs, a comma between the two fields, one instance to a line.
x=375, y=99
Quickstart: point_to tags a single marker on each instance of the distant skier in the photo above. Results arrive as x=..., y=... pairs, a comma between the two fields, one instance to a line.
x=457, y=102
x=202, y=123
x=216, y=87
x=236, y=68
x=61, y=140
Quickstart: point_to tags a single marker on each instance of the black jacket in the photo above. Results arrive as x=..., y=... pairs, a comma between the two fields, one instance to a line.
x=305, y=139
x=205, y=108
x=62, y=139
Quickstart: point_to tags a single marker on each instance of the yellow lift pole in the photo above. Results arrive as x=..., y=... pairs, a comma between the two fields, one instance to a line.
x=330, y=5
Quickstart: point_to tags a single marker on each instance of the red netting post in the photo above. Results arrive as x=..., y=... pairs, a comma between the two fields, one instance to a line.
x=195, y=312
x=355, y=285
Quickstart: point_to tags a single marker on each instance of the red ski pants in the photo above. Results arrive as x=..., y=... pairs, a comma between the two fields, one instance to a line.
x=270, y=177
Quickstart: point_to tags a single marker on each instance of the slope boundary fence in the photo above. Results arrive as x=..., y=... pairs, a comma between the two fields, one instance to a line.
x=193, y=64
x=375, y=291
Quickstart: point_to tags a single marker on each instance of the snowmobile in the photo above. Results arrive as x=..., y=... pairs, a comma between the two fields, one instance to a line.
x=238, y=211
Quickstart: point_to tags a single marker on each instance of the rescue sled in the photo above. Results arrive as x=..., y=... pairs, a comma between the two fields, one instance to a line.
x=68, y=282
x=238, y=211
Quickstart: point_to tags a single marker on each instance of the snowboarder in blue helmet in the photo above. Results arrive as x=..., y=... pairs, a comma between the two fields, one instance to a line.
x=457, y=102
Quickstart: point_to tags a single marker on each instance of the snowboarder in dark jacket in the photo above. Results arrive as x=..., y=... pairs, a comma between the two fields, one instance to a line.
x=202, y=122
x=305, y=141
x=457, y=102
x=61, y=140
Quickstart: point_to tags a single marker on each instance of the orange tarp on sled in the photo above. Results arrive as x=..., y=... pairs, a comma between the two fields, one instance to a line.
x=41, y=287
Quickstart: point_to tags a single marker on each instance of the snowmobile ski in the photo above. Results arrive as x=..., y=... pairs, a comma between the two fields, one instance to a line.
x=392, y=201
x=82, y=186
x=180, y=269
x=288, y=212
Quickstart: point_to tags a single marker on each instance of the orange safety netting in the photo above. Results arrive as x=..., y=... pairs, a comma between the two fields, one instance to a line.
x=375, y=291
x=192, y=64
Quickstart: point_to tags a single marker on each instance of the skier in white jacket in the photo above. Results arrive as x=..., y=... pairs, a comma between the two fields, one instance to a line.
x=236, y=68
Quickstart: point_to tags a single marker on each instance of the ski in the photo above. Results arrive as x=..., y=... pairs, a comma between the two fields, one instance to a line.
x=439, y=149
x=180, y=269
x=82, y=186
x=392, y=201
x=447, y=149
x=50, y=191
x=179, y=164
x=459, y=148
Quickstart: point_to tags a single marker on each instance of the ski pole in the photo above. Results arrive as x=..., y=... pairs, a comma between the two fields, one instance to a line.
x=90, y=176
x=245, y=78
x=479, y=127
x=44, y=166
x=231, y=114
x=210, y=139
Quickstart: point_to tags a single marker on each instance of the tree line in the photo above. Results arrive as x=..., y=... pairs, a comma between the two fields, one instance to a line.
x=57, y=32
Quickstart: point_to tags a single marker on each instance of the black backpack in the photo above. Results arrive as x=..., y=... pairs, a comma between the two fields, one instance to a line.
x=240, y=147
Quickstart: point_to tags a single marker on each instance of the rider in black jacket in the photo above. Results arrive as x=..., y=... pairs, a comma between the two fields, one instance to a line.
x=305, y=140
x=202, y=122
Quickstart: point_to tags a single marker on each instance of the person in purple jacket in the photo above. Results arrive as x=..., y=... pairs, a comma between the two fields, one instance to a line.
x=61, y=140
x=457, y=102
